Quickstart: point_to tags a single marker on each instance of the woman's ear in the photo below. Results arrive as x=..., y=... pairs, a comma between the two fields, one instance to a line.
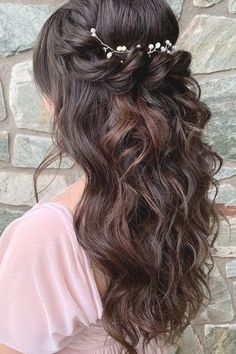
x=48, y=104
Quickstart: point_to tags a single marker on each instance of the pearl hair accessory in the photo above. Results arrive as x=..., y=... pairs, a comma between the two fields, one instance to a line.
x=169, y=48
x=162, y=48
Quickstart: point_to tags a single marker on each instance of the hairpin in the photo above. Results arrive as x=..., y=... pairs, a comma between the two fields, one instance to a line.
x=158, y=45
x=169, y=48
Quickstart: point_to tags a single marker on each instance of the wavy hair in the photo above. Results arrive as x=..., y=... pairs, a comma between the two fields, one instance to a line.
x=136, y=128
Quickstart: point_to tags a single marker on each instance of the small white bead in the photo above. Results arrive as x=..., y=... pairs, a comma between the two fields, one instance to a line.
x=138, y=46
x=119, y=48
x=109, y=55
x=151, y=46
x=124, y=48
x=163, y=49
x=168, y=42
x=173, y=47
x=94, y=35
x=93, y=30
x=158, y=44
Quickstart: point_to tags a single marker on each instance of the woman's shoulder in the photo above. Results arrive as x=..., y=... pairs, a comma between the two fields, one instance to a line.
x=45, y=281
x=44, y=222
x=42, y=242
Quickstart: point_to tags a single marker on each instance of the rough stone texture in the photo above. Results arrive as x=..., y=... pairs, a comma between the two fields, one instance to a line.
x=234, y=291
x=226, y=172
x=227, y=194
x=205, y=3
x=225, y=245
x=25, y=100
x=19, y=26
x=29, y=151
x=225, y=147
x=2, y=104
x=220, y=339
x=232, y=6
x=188, y=344
x=7, y=216
x=220, y=308
x=210, y=52
x=219, y=95
x=17, y=188
x=4, y=146
x=176, y=6
x=231, y=269
x=213, y=89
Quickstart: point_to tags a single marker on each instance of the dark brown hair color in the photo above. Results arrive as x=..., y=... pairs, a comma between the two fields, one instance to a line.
x=136, y=128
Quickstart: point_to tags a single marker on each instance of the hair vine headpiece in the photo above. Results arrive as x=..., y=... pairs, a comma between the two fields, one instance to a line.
x=169, y=48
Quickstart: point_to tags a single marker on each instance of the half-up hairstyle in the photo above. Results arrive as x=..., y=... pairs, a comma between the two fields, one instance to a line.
x=136, y=129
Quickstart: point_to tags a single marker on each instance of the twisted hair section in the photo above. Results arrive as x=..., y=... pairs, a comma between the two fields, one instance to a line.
x=137, y=130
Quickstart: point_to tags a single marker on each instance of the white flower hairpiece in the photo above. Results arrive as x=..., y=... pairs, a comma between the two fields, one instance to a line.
x=169, y=48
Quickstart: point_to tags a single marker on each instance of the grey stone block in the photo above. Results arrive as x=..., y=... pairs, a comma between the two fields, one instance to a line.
x=17, y=188
x=25, y=100
x=4, y=146
x=220, y=308
x=225, y=245
x=220, y=94
x=20, y=25
x=220, y=339
x=205, y=3
x=231, y=269
x=226, y=172
x=232, y=6
x=176, y=6
x=226, y=194
x=29, y=151
x=212, y=43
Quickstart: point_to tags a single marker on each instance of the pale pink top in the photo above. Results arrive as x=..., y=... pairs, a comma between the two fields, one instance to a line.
x=49, y=300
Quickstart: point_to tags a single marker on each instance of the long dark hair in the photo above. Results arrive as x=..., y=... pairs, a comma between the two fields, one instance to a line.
x=136, y=129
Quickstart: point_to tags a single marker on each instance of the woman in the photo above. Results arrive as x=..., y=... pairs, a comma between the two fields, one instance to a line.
x=121, y=258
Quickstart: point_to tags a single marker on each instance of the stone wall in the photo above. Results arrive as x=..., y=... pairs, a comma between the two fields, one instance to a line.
x=208, y=30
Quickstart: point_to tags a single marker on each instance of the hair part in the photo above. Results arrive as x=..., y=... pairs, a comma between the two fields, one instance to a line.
x=136, y=129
